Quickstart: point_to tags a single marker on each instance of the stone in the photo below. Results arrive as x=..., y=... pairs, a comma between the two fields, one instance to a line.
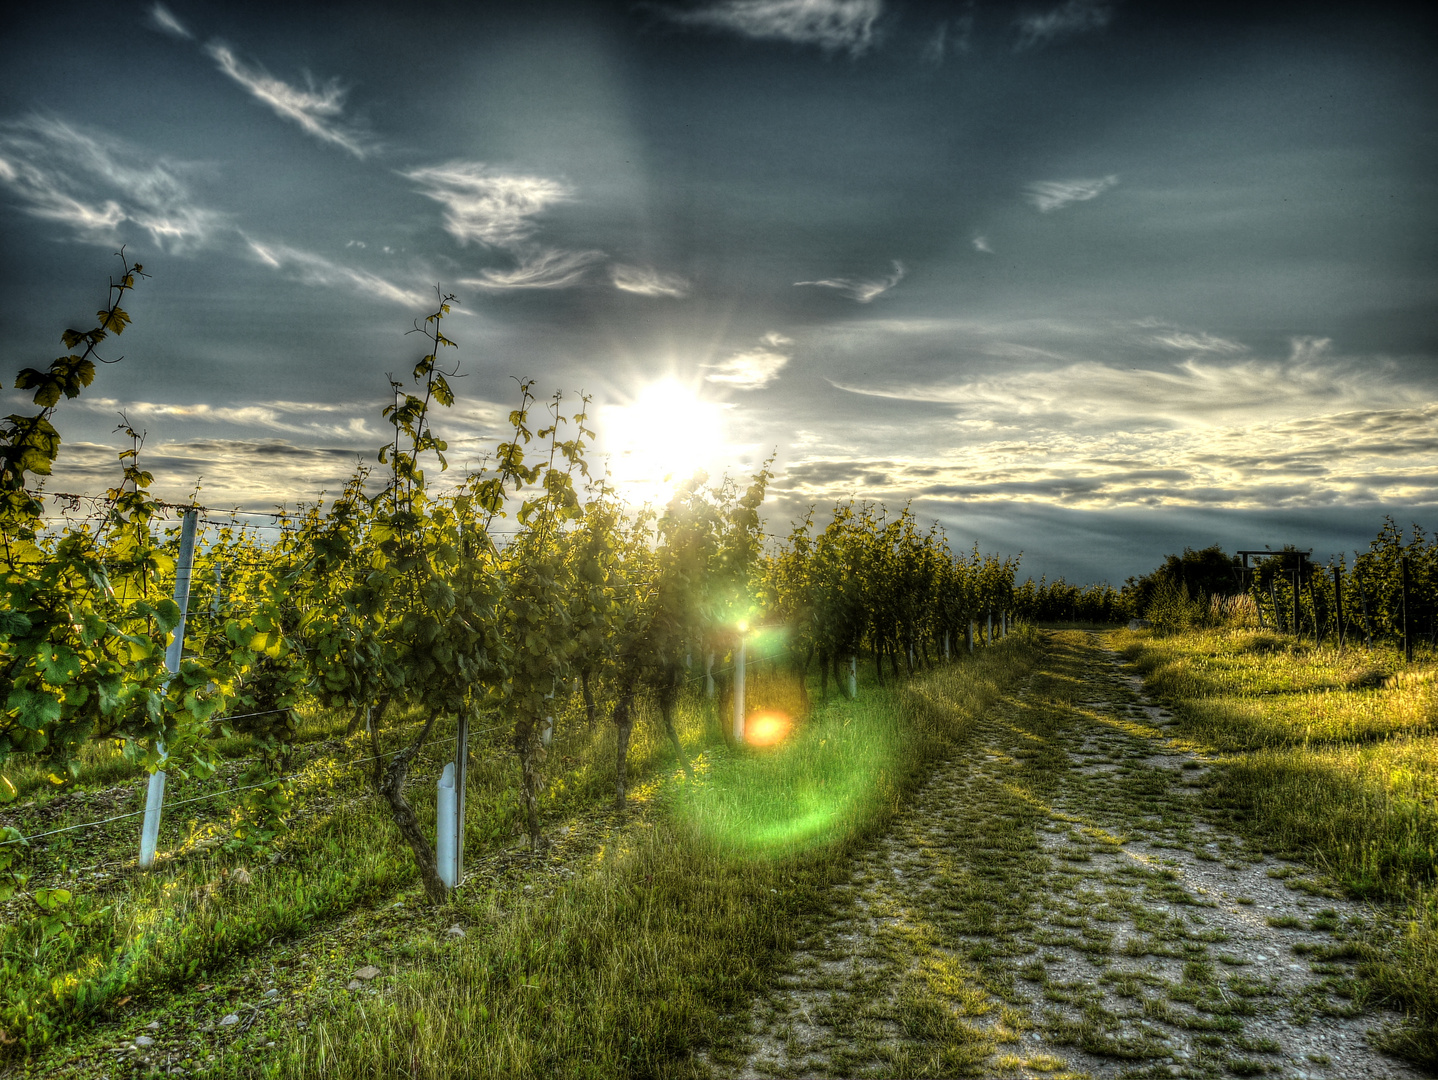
x=144, y=1040
x=455, y=931
x=153, y=1025
x=231, y=1019
x=353, y=984
x=368, y=972
x=272, y=993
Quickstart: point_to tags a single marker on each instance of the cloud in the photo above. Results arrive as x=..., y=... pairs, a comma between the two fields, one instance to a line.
x=832, y=25
x=318, y=110
x=328, y=419
x=951, y=37
x=1201, y=391
x=1073, y=17
x=1364, y=456
x=753, y=369
x=484, y=204
x=311, y=269
x=647, y=281
x=546, y=269
x=981, y=243
x=1182, y=341
x=1050, y=195
x=93, y=184
x=162, y=19
x=862, y=291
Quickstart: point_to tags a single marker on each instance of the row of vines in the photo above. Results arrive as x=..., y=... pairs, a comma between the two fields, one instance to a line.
x=1387, y=594
x=479, y=598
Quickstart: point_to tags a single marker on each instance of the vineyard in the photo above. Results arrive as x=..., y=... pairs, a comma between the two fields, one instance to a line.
x=504, y=612
x=496, y=768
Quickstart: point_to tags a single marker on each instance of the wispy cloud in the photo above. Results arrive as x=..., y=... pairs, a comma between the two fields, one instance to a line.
x=753, y=369
x=832, y=25
x=858, y=289
x=94, y=184
x=162, y=19
x=647, y=281
x=484, y=204
x=317, y=109
x=951, y=37
x=1197, y=392
x=1073, y=17
x=312, y=269
x=981, y=243
x=1184, y=341
x=544, y=269
x=334, y=420
x=1050, y=195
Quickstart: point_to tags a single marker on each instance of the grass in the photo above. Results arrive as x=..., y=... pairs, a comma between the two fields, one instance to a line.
x=1330, y=756
x=638, y=942
x=652, y=953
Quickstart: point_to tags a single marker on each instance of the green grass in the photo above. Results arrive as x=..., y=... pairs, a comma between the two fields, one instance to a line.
x=660, y=926
x=653, y=953
x=1331, y=756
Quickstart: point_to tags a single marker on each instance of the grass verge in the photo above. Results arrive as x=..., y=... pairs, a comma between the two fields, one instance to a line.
x=1332, y=756
x=651, y=951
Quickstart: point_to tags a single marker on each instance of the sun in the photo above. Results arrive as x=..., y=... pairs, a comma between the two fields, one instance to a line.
x=661, y=438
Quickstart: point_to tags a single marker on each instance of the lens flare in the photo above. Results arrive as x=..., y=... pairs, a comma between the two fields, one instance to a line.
x=767, y=728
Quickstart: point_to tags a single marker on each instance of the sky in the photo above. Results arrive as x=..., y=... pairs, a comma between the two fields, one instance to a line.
x=1091, y=281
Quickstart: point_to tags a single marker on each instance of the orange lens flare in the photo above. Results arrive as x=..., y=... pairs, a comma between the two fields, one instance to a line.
x=767, y=728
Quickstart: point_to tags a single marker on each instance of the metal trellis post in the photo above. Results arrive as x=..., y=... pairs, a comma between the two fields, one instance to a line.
x=155, y=795
x=739, y=692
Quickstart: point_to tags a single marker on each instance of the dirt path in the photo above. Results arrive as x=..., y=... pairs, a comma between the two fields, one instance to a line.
x=1055, y=904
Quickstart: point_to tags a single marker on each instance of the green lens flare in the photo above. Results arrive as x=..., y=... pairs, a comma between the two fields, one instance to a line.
x=800, y=794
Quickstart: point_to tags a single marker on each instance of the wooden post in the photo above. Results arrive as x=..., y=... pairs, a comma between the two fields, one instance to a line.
x=155, y=793
x=1273, y=595
x=1407, y=635
x=970, y=632
x=853, y=677
x=1338, y=604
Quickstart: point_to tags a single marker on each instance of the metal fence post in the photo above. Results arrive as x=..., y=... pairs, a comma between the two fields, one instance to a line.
x=739, y=692
x=155, y=793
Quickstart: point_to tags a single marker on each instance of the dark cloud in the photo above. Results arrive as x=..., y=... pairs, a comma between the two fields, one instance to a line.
x=1160, y=270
